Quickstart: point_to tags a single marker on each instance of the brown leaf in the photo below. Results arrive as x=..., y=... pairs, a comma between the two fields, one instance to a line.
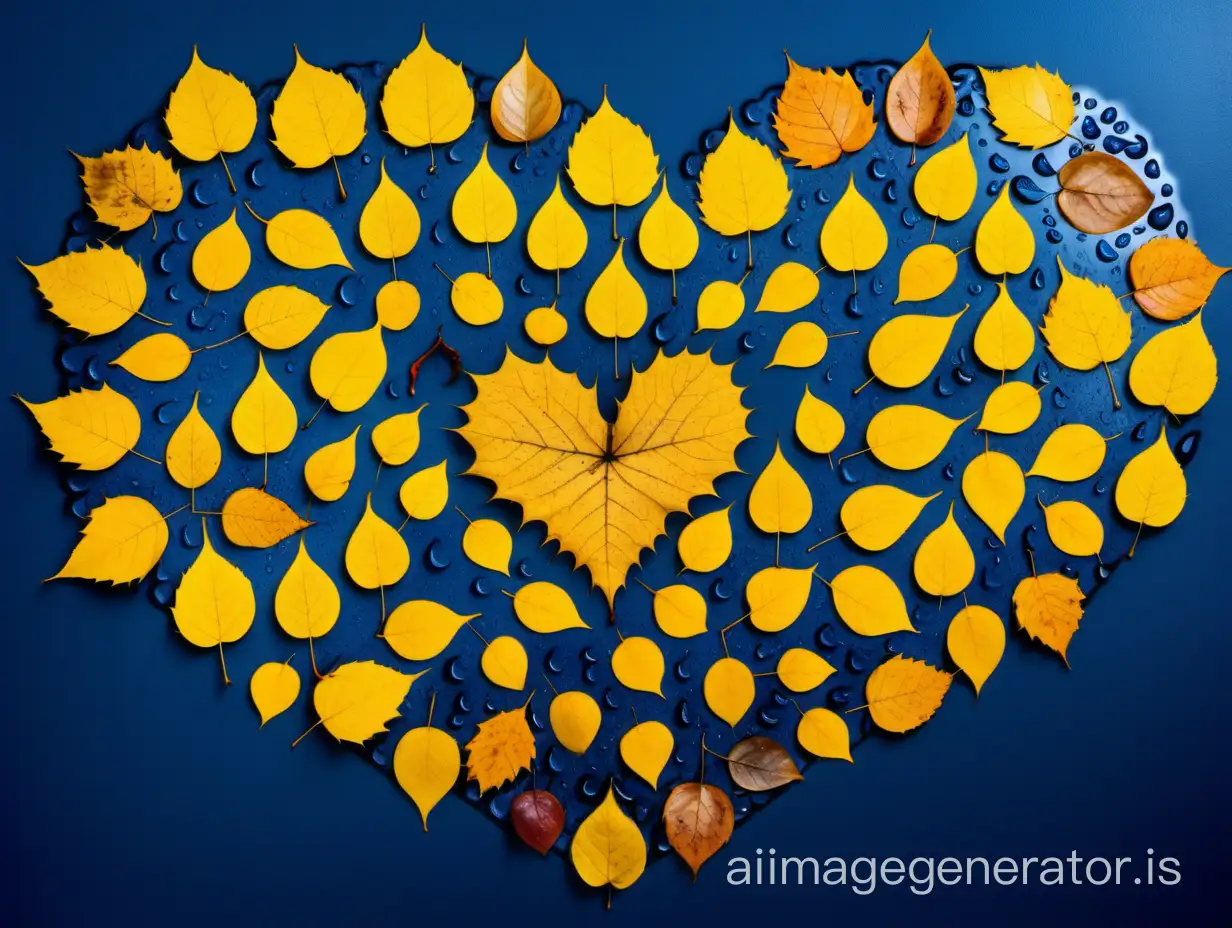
x=759, y=764
x=1172, y=277
x=525, y=103
x=699, y=820
x=538, y=818
x=1100, y=193
x=920, y=99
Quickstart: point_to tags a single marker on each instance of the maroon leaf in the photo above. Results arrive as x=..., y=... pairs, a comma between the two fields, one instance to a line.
x=538, y=818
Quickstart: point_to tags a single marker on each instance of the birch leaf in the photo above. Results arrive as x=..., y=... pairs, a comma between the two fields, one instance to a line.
x=742, y=187
x=612, y=160
x=90, y=428
x=504, y=662
x=607, y=848
x=389, y=223
x=759, y=764
x=1049, y=607
x=667, y=237
x=420, y=629
x=869, y=602
x=853, y=237
x=1100, y=193
x=926, y=273
x=483, y=207
x=556, y=239
x=680, y=611
x=476, y=299
x=502, y=746
x=820, y=115
x=976, y=640
x=720, y=305
x=1172, y=277
x=908, y=437
x=396, y=439
x=780, y=500
x=252, y=518
x=264, y=419
x=575, y=717
x=306, y=603
x=282, y=316
x=214, y=603
x=819, y=426
x=157, y=358
x=800, y=670
x=193, y=452
x=376, y=555
x=705, y=543
x=348, y=368
x=875, y=517
x=1032, y=108
x=488, y=544
x=329, y=469
x=120, y=543
x=638, y=663
x=274, y=687
x=317, y=117
x=646, y=748
x=616, y=302
x=1151, y=489
x=545, y=325
x=525, y=102
x=210, y=114
x=426, y=100
x=945, y=184
x=1005, y=338
x=777, y=596
x=126, y=188
x=397, y=304
x=301, y=239
x=1074, y=528
x=699, y=820
x=426, y=765
x=944, y=563
x=789, y=287
x=544, y=607
x=729, y=689
x=920, y=99
x=802, y=345
x=1011, y=408
x=1086, y=327
x=994, y=488
x=222, y=257
x=824, y=734
x=905, y=349
x=903, y=693
x=424, y=494
x=95, y=291
x=356, y=700
x=1176, y=369
x=1004, y=243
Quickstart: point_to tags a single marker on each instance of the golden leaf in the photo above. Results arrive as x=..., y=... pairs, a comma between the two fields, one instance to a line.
x=1085, y=326
x=608, y=849
x=193, y=452
x=905, y=349
x=356, y=700
x=483, y=208
x=699, y=820
x=545, y=325
x=777, y=596
x=426, y=100
x=347, y=368
x=503, y=745
x=1049, y=607
x=667, y=236
x=1151, y=489
x=329, y=469
x=616, y=302
x=780, y=500
x=800, y=670
x=544, y=607
x=908, y=437
x=90, y=428
x=945, y=184
x=424, y=494
x=210, y=113
x=804, y=344
x=389, y=223
x=127, y=187
x=853, y=237
x=157, y=358
x=869, y=602
x=95, y=291
x=301, y=239
x=903, y=693
x=875, y=517
x=504, y=662
x=487, y=543
x=556, y=239
x=638, y=663
x=1073, y=527
x=1172, y=277
x=274, y=687
x=376, y=556
x=396, y=439
x=680, y=611
x=944, y=563
x=819, y=426
x=1005, y=338
x=1100, y=193
x=574, y=717
x=121, y=542
x=525, y=102
x=306, y=603
x=264, y=419
x=1011, y=408
x=993, y=487
x=925, y=273
x=222, y=257
x=420, y=629
x=824, y=734
x=426, y=765
x=612, y=161
x=646, y=748
x=397, y=304
x=720, y=304
x=705, y=544
x=920, y=99
x=729, y=689
x=252, y=518
x=976, y=640
x=1176, y=369
x=214, y=603
x=282, y=316
x=1004, y=243
x=820, y=115
x=1031, y=107
x=789, y=287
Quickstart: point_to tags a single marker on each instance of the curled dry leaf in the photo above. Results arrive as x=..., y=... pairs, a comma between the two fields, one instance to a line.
x=920, y=99
x=1100, y=193
x=699, y=819
x=761, y=763
x=538, y=818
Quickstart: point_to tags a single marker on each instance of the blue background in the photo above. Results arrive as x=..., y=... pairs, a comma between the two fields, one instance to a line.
x=128, y=779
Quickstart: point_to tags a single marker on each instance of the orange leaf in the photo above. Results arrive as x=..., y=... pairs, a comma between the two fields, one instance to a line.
x=699, y=819
x=1048, y=608
x=920, y=99
x=1100, y=193
x=525, y=103
x=821, y=114
x=1172, y=277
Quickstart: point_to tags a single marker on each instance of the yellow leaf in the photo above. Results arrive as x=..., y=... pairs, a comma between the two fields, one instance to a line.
x=920, y=99
x=504, y=662
x=607, y=848
x=824, y=734
x=397, y=304
x=488, y=543
x=616, y=302
x=1151, y=489
x=1072, y=452
x=905, y=349
x=426, y=765
x=214, y=603
x=347, y=368
x=376, y=555
x=821, y=114
x=729, y=689
x=126, y=187
x=1176, y=369
x=720, y=304
x=1004, y=243
x=853, y=237
x=1074, y=528
x=483, y=207
x=869, y=602
x=1031, y=107
x=944, y=563
x=667, y=236
x=777, y=596
x=1005, y=338
x=646, y=748
x=396, y=439
x=222, y=257
x=875, y=517
x=476, y=299
x=306, y=603
x=425, y=493
x=264, y=419
x=575, y=720
x=389, y=223
x=121, y=542
x=274, y=687
x=420, y=629
x=1085, y=326
x=945, y=184
x=802, y=345
x=502, y=746
x=193, y=452
x=556, y=239
x=800, y=670
x=317, y=116
x=925, y=273
x=545, y=325
x=976, y=640
x=789, y=287
x=621, y=480
x=544, y=608
x=903, y=693
x=282, y=316
x=993, y=487
x=680, y=611
x=742, y=187
x=1011, y=408
x=356, y=700
x=95, y=291
x=525, y=102
x=299, y=238
x=252, y=518
x=90, y=428
x=1172, y=277
x=819, y=426
x=329, y=469
x=705, y=543
x=158, y=358
x=780, y=500
x=638, y=663
x=426, y=99
x=1049, y=607
x=612, y=160
x=909, y=437
x=210, y=113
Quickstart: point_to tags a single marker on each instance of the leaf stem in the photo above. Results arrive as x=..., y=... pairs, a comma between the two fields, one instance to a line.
x=305, y=734
x=226, y=167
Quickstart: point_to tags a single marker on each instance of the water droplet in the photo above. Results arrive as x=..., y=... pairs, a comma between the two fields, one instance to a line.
x=1160, y=217
x=1109, y=115
x=1037, y=279
x=910, y=218
x=201, y=194
x=998, y=163
x=1027, y=190
x=1187, y=447
x=164, y=413
x=839, y=696
x=877, y=169
x=348, y=290
x=1041, y=165
x=1059, y=398
x=1105, y=252
x=438, y=234
x=891, y=192
x=1090, y=128
x=1166, y=190
x=1123, y=240
x=719, y=591
x=947, y=470
x=1151, y=169
x=852, y=307
x=455, y=670
x=435, y=555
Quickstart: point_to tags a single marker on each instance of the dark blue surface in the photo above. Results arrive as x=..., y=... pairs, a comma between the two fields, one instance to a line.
x=121, y=739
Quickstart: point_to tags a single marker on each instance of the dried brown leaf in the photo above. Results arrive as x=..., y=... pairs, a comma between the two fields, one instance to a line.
x=920, y=99
x=761, y=763
x=1100, y=193
x=699, y=819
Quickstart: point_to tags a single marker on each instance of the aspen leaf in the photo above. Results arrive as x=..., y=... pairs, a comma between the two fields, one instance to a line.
x=488, y=543
x=347, y=368
x=1011, y=408
x=263, y=420
x=699, y=820
x=705, y=543
x=1074, y=528
x=544, y=607
x=214, y=603
x=329, y=469
x=476, y=299
x=502, y=746
x=905, y=349
x=945, y=184
x=869, y=602
x=389, y=223
x=720, y=305
x=780, y=500
x=193, y=452
x=1005, y=338
x=1151, y=489
x=426, y=765
x=376, y=555
x=800, y=670
x=396, y=439
x=397, y=304
x=638, y=663
x=274, y=687
x=1004, y=243
x=616, y=302
x=1049, y=608
x=317, y=116
x=1176, y=369
x=607, y=848
x=777, y=596
x=158, y=358
x=944, y=563
x=306, y=603
x=575, y=718
x=1032, y=108
x=95, y=291
x=222, y=257
x=925, y=273
x=282, y=316
x=1172, y=277
x=120, y=543
x=976, y=640
x=680, y=611
x=819, y=426
x=612, y=160
x=424, y=494
x=1085, y=326
x=820, y=115
x=789, y=287
x=538, y=818
x=210, y=113
x=420, y=629
x=301, y=239
x=525, y=102
x=802, y=345
x=994, y=488
x=556, y=239
x=126, y=188
x=729, y=689
x=483, y=208
x=1072, y=452
x=646, y=748
x=824, y=734
x=426, y=99
x=908, y=437
x=1100, y=193
x=667, y=237
x=545, y=325
x=356, y=700
x=903, y=693
x=504, y=662
x=853, y=237
x=920, y=99
x=874, y=517
x=90, y=428
x=252, y=518
x=759, y=764
x=742, y=187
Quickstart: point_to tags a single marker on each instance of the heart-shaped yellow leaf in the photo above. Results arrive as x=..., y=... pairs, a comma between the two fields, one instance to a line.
x=976, y=640
x=575, y=719
x=993, y=487
x=869, y=602
x=874, y=517
x=274, y=687
x=705, y=543
x=944, y=563
x=420, y=629
x=729, y=689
